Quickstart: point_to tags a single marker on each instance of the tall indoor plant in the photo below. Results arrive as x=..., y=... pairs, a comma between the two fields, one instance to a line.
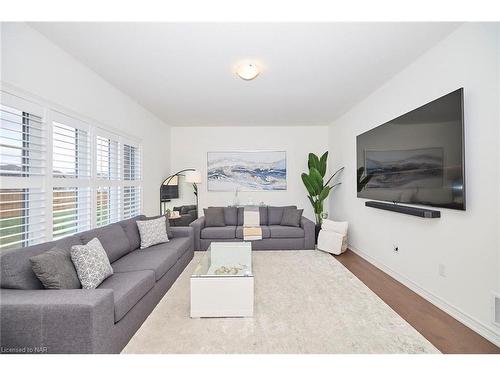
x=318, y=189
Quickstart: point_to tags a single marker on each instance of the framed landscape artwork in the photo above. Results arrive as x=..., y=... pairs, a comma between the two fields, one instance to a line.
x=246, y=170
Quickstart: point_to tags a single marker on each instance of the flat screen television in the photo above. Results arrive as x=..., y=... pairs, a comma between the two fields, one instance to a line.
x=417, y=158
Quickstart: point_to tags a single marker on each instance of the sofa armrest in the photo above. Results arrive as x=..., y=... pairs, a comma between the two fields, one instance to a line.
x=309, y=232
x=56, y=321
x=184, y=232
x=197, y=226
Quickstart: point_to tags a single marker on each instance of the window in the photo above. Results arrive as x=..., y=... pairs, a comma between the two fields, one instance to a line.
x=71, y=211
x=22, y=217
x=131, y=175
x=22, y=147
x=60, y=175
x=71, y=195
x=131, y=201
x=108, y=205
x=131, y=163
x=107, y=158
x=71, y=152
x=22, y=169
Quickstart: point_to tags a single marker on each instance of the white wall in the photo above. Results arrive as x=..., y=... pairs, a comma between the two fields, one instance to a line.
x=466, y=243
x=32, y=63
x=191, y=144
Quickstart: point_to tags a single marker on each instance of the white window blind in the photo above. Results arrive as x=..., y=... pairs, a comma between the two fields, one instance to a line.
x=22, y=141
x=23, y=153
x=22, y=217
x=131, y=174
x=71, y=210
x=131, y=201
x=71, y=148
x=107, y=158
x=131, y=162
x=107, y=205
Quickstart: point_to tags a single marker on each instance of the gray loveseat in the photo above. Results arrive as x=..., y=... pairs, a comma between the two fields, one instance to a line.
x=102, y=320
x=274, y=235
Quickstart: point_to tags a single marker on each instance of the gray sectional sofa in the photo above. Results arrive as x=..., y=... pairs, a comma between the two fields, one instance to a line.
x=274, y=235
x=102, y=320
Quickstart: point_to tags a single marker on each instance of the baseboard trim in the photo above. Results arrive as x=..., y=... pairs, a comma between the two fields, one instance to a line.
x=451, y=310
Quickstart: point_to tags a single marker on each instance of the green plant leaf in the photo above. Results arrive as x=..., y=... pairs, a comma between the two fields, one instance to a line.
x=307, y=180
x=324, y=193
x=316, y=180
x=322, y=164
x=313, y=161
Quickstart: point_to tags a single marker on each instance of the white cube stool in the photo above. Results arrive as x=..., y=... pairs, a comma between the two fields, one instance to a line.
x=333, y=237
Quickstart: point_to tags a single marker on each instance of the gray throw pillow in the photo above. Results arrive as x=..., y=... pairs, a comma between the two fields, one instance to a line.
x=291, y=217
x=152, y=232
x=214, y=217
x=55, y=270
x=91, y=263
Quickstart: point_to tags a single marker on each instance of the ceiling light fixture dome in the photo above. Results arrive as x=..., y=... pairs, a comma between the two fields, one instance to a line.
x=248, y=71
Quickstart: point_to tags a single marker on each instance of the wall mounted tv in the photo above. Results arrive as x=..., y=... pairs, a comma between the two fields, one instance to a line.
x=417, y=158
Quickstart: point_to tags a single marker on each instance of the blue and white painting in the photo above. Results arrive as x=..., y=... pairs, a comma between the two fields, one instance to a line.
x=246, y=171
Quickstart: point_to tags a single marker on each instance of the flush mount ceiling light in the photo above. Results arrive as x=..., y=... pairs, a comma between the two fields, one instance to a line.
x=248, y=71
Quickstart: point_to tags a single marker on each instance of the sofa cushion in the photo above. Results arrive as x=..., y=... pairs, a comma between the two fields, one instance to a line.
x=167, y=224
x=55, y=270
x=219, y=232
x=278, y=231
x=91, y=263
x=112, y=238
x=275, y=214
x=240, y=215
x=264, y=220
x=214, y=217
x=132, y=231
x=262, y=214
x=15, y=266
x=231, y=215
x=185, y=209
x=128, y=288
x=266, y=233
x=153, y=232
x=158, y=258
x=291, y=217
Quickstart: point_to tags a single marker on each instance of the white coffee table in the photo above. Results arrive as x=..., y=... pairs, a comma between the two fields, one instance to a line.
x=222, y=283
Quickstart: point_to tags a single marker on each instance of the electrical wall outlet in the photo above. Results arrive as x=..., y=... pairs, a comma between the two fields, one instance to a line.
x=442, y=270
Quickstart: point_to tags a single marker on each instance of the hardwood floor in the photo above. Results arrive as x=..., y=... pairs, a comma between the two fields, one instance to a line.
x=444, y=332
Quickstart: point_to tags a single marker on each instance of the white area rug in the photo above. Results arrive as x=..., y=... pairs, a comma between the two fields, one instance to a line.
x=305, y=302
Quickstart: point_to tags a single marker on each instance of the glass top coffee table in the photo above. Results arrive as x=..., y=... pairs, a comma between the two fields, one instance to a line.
x=222, y=284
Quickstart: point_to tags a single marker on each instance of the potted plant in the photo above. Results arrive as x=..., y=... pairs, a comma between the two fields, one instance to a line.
x=318, y=189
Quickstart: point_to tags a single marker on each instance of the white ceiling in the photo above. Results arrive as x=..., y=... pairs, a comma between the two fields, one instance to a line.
x=184, y=72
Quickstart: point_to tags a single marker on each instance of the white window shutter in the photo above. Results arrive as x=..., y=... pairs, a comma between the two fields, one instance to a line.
x=23, y=153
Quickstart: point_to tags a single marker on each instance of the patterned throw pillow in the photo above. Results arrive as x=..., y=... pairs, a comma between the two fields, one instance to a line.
x=91, y=263
x=152, y=232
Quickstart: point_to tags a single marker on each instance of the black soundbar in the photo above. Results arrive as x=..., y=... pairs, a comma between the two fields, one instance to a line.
x=421, y=212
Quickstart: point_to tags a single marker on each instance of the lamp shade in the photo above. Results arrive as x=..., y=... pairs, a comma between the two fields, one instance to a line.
x=193, y=177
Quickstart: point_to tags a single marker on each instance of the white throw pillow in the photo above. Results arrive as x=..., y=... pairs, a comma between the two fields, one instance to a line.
x=91, y=263
x=153, y=231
